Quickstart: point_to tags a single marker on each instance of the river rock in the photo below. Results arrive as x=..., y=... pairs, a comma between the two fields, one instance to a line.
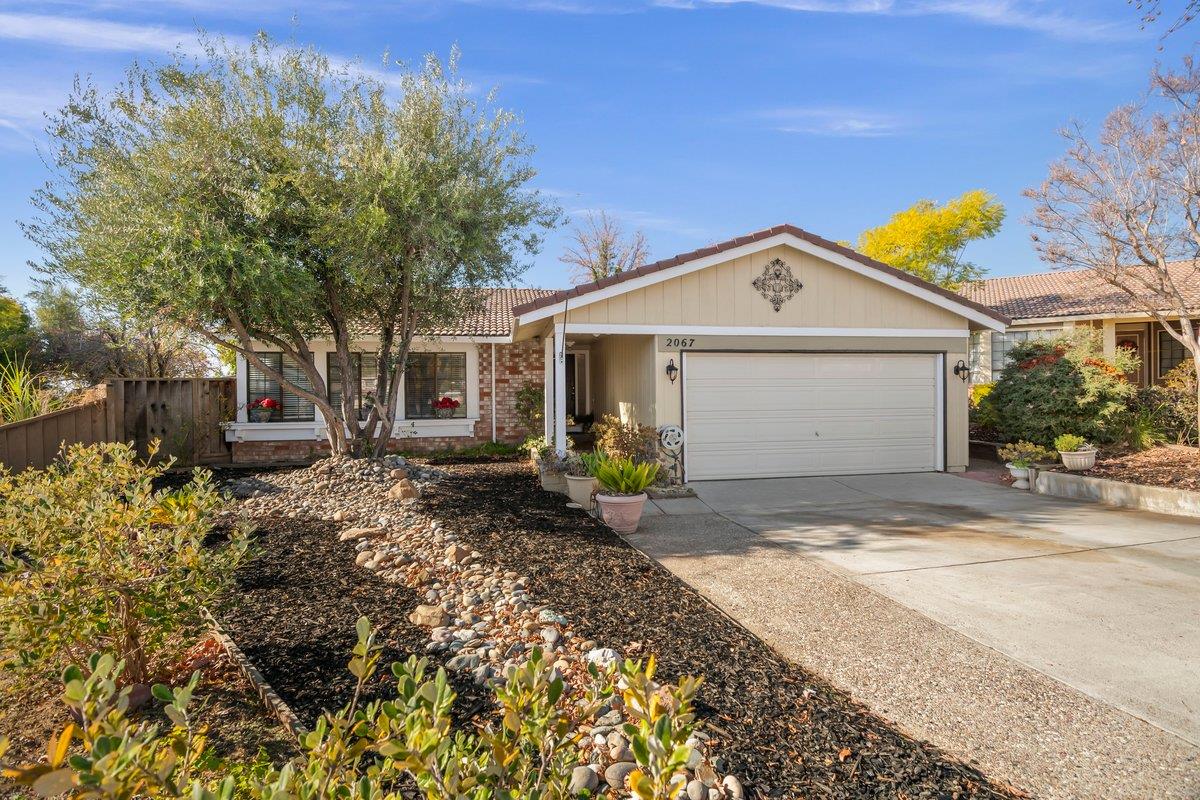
x=616, y=774
x=583, y=779
x=403, y=490
x=358, y=533
x=429, y=616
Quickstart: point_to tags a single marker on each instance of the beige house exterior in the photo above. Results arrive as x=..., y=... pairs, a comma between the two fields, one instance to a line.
x=776, y=354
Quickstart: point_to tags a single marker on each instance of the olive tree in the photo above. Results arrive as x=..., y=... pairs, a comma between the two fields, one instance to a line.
x=266, y=194
x=1125, y=207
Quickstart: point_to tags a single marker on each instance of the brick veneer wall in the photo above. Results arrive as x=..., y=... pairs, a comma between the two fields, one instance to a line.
x=516, y=365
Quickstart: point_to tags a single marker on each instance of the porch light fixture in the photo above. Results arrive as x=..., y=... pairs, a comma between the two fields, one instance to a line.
x=962, y=371
x=672, y=371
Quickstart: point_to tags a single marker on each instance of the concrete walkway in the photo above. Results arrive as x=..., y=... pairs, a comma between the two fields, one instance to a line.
x=1054, y=643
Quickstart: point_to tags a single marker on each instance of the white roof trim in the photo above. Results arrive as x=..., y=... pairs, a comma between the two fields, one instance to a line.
x=778, y=239
x=604, y=328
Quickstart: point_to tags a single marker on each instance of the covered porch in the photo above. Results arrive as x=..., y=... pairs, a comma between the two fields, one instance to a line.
x=590, y=375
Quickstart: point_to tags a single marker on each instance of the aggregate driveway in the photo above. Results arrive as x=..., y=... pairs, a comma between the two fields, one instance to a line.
x=1066, y=622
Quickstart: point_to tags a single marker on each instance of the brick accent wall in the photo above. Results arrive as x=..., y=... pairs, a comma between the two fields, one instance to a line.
x=516, y=365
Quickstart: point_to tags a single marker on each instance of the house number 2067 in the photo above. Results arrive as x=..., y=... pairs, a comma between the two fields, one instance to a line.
x=681, y=343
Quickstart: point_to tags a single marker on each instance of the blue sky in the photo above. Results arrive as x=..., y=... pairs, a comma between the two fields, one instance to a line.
x=694, y=120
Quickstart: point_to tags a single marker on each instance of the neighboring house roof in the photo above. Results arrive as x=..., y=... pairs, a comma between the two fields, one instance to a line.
x=716, y=249
x=1077, y=293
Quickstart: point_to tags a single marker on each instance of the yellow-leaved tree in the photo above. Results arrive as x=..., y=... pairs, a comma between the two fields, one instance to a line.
x=928, y=239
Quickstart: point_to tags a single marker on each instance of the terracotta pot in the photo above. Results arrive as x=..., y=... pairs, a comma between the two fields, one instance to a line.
x=553, y=481
x=1079, y=460
x=580, y=489
x=1021, y=475
x=621, y=512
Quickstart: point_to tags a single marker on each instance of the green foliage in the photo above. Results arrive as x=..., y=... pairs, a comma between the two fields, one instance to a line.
x=17, y=338
x=1171, y=405
x=1142, y=430
x=24, y=395
x=1063, y=385
x=927, y=240
x=1069, y=443
x=617, y=440
x=624, y=475
x=267, y=193
x=364, y=750
x=1026, y=454
x=94, y=557
x=529, y=407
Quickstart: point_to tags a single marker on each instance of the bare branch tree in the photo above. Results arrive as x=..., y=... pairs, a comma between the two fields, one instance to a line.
x=601, y=249
x=1126, y=207
x=1152, y=11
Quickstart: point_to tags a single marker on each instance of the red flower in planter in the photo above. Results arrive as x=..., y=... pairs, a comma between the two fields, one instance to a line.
x=446, y=404
x=268, y=403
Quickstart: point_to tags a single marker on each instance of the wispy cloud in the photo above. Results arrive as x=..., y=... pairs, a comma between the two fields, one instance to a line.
x=834, y=121
x=641, y=220
x=93, y=34
x=1030, y=15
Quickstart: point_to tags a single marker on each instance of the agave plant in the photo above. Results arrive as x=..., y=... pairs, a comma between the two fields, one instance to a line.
x=624, y=476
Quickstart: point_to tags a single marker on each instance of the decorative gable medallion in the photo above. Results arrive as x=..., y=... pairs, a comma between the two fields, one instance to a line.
x=776, y=283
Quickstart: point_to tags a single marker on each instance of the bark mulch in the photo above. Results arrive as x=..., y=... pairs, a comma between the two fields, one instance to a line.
x=1176, y=466
x=293, y=615
x=780, y=728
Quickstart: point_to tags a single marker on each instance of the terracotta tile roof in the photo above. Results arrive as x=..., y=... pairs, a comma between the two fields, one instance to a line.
x=495, y=318
x=1073, y=293
x=720, y=247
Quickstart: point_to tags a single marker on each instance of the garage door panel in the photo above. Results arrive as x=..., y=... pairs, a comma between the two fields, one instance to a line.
x=773, y=415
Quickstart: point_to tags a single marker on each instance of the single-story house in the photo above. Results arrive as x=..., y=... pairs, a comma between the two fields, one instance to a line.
x=1047, y=304
x=779, y=353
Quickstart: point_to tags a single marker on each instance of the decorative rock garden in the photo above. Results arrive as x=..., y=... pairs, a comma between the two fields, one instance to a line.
x=482, y=619
x=474, y=565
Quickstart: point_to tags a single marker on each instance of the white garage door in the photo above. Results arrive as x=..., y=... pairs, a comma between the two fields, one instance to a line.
x=758, y=415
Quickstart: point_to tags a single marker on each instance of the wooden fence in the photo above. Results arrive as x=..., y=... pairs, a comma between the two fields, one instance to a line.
x=185, y=414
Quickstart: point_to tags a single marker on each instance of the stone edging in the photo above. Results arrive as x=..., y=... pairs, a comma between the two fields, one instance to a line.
x=1159, y=499
x=271, y=699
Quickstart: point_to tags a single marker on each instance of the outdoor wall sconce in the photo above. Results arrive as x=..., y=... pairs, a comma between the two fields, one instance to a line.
x=962, y=371
x=672, y=371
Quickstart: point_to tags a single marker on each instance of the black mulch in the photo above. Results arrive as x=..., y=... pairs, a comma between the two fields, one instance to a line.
x=782, y=729
x=294, y=610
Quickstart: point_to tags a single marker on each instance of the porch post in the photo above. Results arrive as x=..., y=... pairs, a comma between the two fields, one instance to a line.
x=1109, y=337
x=560, y=396
x=548, y=389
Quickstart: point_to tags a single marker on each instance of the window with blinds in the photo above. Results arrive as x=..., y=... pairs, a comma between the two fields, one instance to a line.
x=292, y=407
x=432, y=376
x=1171, y=352
x=368, y=365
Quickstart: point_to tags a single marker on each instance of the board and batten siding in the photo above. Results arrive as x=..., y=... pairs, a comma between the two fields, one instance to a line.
x=623, y=378
x=724, y=294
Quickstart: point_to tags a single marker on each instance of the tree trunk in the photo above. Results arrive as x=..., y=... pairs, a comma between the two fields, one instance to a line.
x=132, y=652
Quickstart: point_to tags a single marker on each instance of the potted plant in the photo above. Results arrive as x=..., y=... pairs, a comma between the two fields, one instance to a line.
x=551, y=469
x=581, y=483
x=1020, y=457
x=445, y=407
x=262, y=409
x=623, y=494
x=1077, y=454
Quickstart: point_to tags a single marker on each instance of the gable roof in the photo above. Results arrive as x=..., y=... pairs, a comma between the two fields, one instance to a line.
x=1075, y=293
x=787, y=234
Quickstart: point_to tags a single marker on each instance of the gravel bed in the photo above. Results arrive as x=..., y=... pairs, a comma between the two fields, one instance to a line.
x=785, y=731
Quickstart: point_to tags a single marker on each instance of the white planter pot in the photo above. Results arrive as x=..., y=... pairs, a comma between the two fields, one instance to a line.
x=553, y=481
x=1020, y=476
x=580, y=489
x=1079, y=460
x=621, y=512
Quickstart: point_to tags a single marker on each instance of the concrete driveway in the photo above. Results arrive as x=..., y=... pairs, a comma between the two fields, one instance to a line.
x=1104, y=601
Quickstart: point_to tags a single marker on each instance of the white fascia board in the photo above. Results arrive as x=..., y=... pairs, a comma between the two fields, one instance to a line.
x=725, y=330
x=774, y=241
